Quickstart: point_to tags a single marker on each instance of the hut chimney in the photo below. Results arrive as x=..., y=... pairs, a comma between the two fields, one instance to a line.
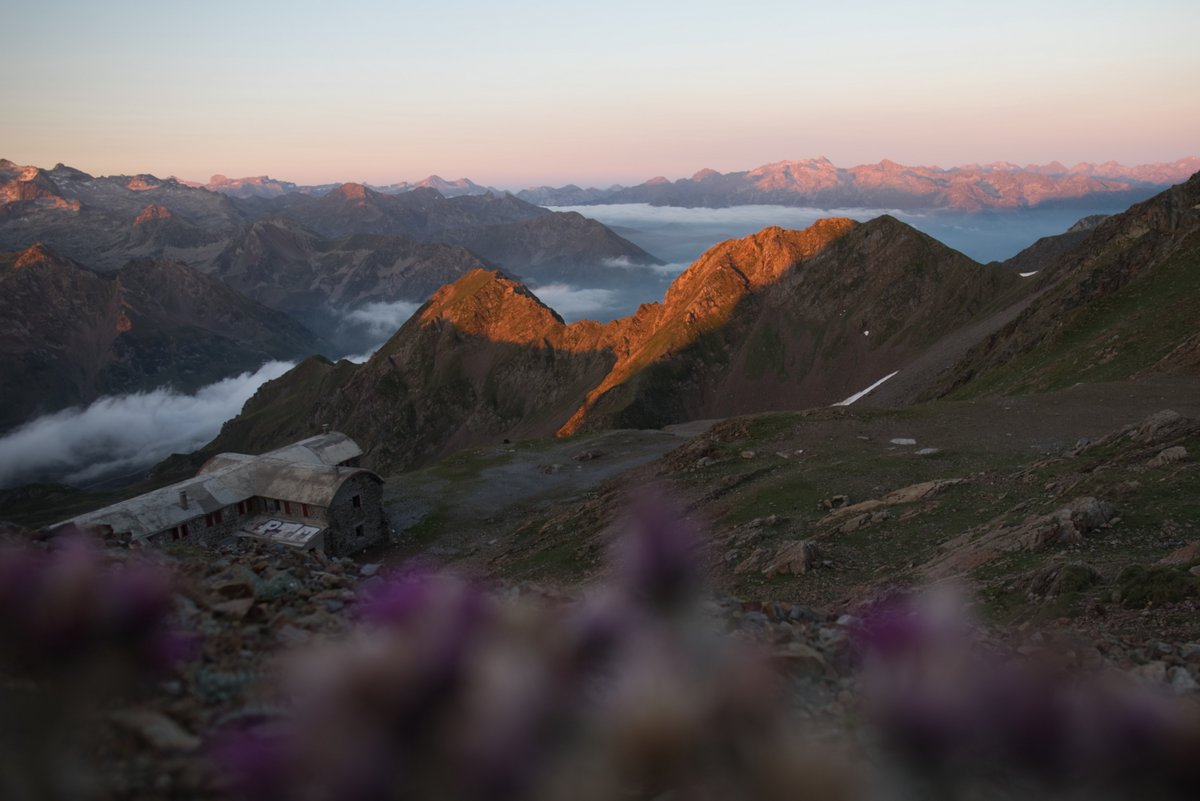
x=183, y=499
x=325, y=428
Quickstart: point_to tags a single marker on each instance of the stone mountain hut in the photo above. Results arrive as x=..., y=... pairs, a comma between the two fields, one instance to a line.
x=310, y=495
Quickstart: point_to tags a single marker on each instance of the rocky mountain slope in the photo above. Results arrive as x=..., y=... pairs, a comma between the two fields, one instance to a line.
x=69, y=335
x=1122, y=303
x=756, y=324
x=103, y=222
x=886, y=185
x=284, y=265
x=778, y=320
x=502, y=229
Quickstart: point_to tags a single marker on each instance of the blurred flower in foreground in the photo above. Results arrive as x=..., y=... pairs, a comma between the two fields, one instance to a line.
x=447, y=691
x=957, y=710
x=77, y=628
x=71, y=609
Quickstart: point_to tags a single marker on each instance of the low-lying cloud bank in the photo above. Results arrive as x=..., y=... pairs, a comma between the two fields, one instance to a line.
x=123, y=434
x=373, y=324
x=680, y=235
x=574, y=303
x=381, y=320
x=623, y=262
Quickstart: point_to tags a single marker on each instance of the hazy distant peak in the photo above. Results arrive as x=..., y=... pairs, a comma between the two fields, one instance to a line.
x=351, y=191
x=36, y=254
x=143, y=182
x=152, y=212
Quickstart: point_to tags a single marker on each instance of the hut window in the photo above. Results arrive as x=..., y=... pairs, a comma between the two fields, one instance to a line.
x=208, y=521
x=358, y=530
x=304, y=509
x=356, y=501
x=287, y=507
x=183, y=530
x=174, y=533
x=241, y=507
x=217, y=517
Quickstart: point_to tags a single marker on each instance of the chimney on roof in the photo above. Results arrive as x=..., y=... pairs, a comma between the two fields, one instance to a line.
x=325, y=428
x=183, y=499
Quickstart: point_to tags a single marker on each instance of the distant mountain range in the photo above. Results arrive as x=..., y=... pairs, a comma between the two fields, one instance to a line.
x=888, y=185
x=778, y=320
x=265, y=186
x=311, y=255
x=818, y=183
x=85, y=315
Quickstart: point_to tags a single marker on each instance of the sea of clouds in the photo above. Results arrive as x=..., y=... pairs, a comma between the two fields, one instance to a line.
x=124, y=434
x=119, y=437
x=679, y=235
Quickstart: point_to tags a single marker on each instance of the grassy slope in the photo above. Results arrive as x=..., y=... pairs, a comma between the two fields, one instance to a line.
x=1112, y=338
x=1010, y=477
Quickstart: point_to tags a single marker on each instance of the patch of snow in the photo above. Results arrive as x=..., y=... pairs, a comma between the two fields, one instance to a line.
x=1026, y=275
x=866, y=333
x=904, y=441
x=860, y=395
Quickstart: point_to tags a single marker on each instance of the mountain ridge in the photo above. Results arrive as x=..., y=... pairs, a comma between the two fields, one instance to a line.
x=104, y=222
x=485, y=359
x=819, y=183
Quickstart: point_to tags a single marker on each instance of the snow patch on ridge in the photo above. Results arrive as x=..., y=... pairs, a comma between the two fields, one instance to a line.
x=860, y=395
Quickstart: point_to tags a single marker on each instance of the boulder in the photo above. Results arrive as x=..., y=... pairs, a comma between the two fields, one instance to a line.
x=793, y=558
x=1182, y=556
x=1168, y=456
x=1068, y=525
x=863, y=520
x=797, y=657
x=156, y=729
x=1160, y=426
x=752, y=562
x=1182, y=681
x=836, y=502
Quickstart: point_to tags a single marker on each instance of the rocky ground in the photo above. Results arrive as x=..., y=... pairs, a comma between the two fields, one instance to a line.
x=251, y=612
x=1071, y=512
x=1066, y=523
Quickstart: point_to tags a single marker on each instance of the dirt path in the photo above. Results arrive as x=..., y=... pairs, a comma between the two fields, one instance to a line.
x=446, y=509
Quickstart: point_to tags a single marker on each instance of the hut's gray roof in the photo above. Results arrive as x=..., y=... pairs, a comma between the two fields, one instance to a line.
x=331, y=448
x=296, y=473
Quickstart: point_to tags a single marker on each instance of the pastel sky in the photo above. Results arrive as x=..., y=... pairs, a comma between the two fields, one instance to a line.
x=521, y=92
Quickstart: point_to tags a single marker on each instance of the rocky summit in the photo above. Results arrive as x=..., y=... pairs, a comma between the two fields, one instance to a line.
x=756, y=324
